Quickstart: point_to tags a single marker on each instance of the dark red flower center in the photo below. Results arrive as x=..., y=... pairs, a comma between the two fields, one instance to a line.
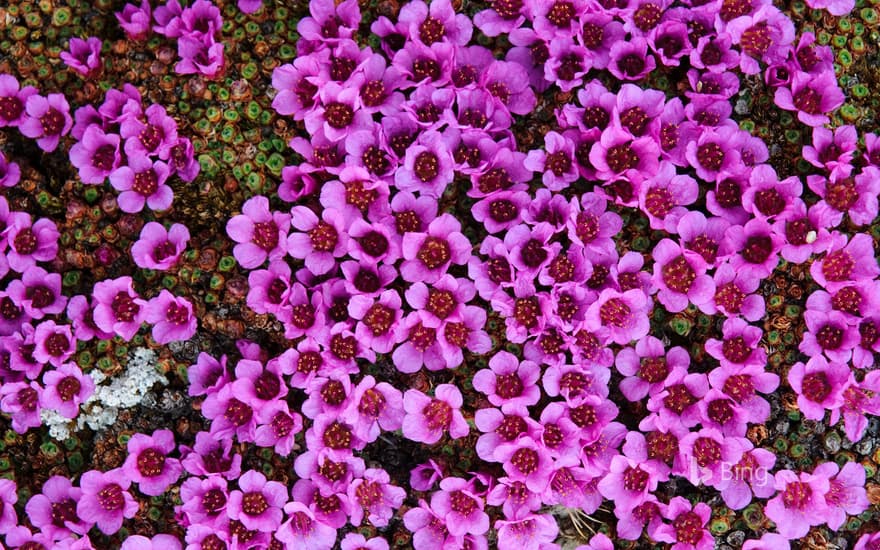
x=508, y=386
x=213, y=501
x=797, y=495
x=678, y=398
x=124, y=307
x=422, y=337
x=337, y=436
x=647, y=16
x=434, y=252
x=841, y=194
x=653, y=369
x=25, y=241
x=10, y=108
x=338, y=115
x=561, y=14
x=757, y=249
x=838, y=266
x=769, y=202
x=688, y=528
x=526, y=311
x=254, y=503
x=632, y=65
x=104, y=158
x=145, y=183
x=525, y=460
x=710, y=155
x=111, y=497
x=52, y=122
x=324, y=237
x=720, y=410
x=438, y=414
x=150, y=462
x=426, y=166
x=635, y=479
x=511, y=427
x=808, y=100
x=343, y=347
x=379, y=319
x=621, y=157
x=616, y=313
x=816, y=387
x=373, y=93
x=57, y=344
x=238, y=413
x=756, y=40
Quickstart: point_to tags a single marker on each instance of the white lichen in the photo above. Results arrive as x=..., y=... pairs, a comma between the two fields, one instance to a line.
x=123, y=391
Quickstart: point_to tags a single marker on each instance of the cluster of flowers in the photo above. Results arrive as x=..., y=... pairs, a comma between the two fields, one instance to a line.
x=390, y=131
x=137, y=149
x=39, y=325
x=195, y=27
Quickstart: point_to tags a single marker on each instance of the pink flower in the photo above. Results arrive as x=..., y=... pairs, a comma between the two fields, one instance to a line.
x=687, y=530
x=318, y=241
x=800, y=503
x=260, y=232
x=66, y=389
x=258, y=503
x=105, y=500
x=820, y=385
x=374, y=496
x=460, y=506
x=142, y=181
x=620, y=316
x=428, y=255
x=84, y=56
x=135, y=20
x=158, y=542
x=172, y=318
x=846, y=491
x=159, y=248
x=148, y=463
x=647, y=365
x=47, y=119
x=303, y=530
x=427, y=418
x=509, y=383
x=53, y=510
x=526, y=530
x=680, y=278
x=118, y=308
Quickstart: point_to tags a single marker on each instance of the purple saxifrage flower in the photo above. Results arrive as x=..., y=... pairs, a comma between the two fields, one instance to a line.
x=159, y=248
x=105, y=499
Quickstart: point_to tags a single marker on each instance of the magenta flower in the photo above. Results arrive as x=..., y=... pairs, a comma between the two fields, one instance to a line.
x=460, y=507
x=811, y=96
x=8, y=498
x=118, y=308
x=800, y=503
x=303, y=530
x=159, y=248
x=53, y=510
x=154, y=136
x=319, y=241
x=210, y=456
x=646, y=366
x=200, y=55
x=527, y=461
x=37, y=293
x=630, y=481
x=148, y=463
x=845, y=262
x=846, y=491
x=739, y=346
x=855, y=196
x=526, y=530
x=630, y=60
x=135, y=20
x=427, y=255
x=13, y=100
x=96, y=155
x=830, y=333
x=820, y=385
x=688, y=528
x=47, y=119
x=834, y=7
x=30, y=242
x=378, y=320
x=356, y=541
x=832, y=151
x=509, y=383
x=66, y=389
x=260, y=232
x=172, y=318
x=680, y=278
x=143, y=181
x=373, y=496
x=427, y=418
x=84, y=56
x=258, y=503
x=105, y=499
x=204, y=500
x=427, y=167
x=619, y=316
x=749, y=475
x=21, y=400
